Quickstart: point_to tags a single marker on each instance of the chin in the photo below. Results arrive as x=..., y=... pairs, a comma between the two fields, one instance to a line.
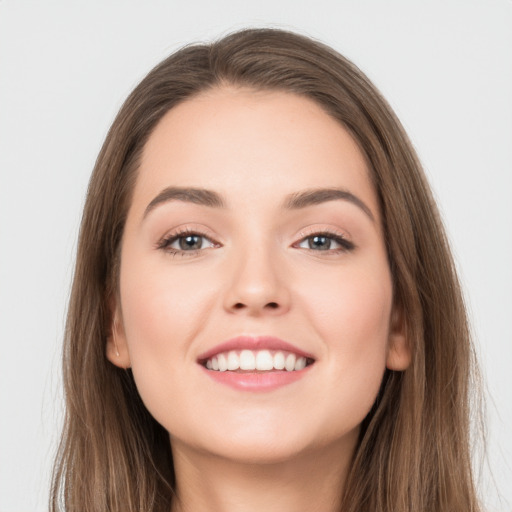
x=260, y=451
x=266, y=443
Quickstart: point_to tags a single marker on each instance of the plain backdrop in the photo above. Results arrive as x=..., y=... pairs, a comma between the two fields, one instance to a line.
x=65, y=68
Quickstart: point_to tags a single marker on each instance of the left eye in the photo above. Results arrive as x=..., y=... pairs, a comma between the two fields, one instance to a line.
x=324, y=242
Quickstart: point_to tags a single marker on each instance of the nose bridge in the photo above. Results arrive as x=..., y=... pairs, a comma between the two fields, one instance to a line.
x=257, y=283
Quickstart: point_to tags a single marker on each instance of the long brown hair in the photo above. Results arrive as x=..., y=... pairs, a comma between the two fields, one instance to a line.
x=414, y=447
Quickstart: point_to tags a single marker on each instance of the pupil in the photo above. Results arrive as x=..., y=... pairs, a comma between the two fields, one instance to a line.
x=320, y=242
x=191, y=242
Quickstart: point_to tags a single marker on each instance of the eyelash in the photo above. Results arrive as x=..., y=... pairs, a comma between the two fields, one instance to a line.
x=166, y=242
x=339, y=238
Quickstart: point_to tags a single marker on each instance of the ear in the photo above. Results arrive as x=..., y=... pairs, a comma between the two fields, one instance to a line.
x=117, y=348
x=399, y=350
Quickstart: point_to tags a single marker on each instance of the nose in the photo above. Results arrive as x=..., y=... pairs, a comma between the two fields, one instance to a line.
x=257, y=285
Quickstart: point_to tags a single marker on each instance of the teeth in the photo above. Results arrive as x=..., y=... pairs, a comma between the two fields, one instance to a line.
x=279, y=361
x=233, y=361
x=260, y=360
x=290, y=362
x=264, y=360
x=223, y=364
x=300, y=364
x=247, y=360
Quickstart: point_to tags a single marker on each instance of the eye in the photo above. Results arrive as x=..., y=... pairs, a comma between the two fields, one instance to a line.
x=325, y=242
x=186, y=242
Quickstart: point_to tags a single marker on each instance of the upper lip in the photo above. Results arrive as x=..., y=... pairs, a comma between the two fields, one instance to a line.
x=249, y=342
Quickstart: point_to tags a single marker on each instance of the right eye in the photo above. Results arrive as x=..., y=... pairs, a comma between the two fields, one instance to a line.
x=179, y=243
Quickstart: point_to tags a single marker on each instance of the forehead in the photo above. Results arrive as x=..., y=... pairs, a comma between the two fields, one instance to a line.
x=239, y=141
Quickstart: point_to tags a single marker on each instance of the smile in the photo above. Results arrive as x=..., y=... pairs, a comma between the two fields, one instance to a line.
x=256, y=363
x=257, y=360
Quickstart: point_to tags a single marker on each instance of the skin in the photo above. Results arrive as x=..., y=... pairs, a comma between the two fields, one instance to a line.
x=289, y=448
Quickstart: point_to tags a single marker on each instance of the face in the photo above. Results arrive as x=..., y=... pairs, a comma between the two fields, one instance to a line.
x=254, y=238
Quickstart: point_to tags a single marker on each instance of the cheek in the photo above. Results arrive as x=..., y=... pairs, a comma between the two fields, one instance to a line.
x=350, y=304
x=159, y=300
x=162, y=313
x=351, y=312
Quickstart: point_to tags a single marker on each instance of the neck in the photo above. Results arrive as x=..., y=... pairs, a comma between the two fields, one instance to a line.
x=310, y=481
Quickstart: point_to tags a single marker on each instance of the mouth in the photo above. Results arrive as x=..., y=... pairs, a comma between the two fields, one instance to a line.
x=257, y=361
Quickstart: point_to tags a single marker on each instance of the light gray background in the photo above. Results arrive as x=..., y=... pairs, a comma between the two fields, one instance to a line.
x=65, y=68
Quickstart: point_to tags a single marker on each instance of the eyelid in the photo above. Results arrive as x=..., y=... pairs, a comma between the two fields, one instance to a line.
x=186, y=229
x=317, y=229
x=341, y=237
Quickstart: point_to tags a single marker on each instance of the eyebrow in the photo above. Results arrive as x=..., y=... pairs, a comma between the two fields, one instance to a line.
x=295, y=201
x=199, y=196
x=312, y=197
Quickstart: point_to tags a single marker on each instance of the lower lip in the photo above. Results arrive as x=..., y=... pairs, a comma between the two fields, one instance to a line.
x=267, y=381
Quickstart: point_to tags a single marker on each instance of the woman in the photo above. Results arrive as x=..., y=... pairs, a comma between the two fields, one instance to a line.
x=265, y=312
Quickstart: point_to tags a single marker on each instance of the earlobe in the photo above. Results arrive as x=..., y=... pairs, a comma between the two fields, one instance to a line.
x=399, y=351
x=116, y=348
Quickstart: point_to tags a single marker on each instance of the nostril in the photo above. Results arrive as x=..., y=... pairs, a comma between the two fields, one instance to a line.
x=270, y=305
x=241, y=305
